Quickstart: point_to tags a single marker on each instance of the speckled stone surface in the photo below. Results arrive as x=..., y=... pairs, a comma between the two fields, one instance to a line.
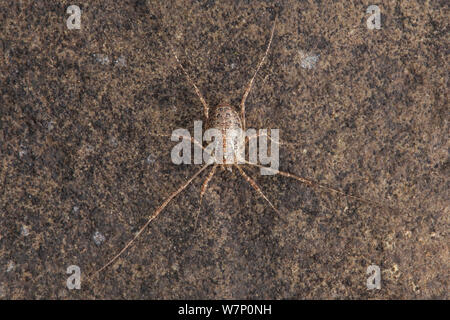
x=365, y=111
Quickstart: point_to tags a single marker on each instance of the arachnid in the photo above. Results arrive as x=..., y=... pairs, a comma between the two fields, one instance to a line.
x=224, y=117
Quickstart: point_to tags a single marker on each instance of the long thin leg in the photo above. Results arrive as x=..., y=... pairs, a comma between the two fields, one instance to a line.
x=191, y=138
x=169, y=136
x=203, y=190
x=257, y=135
x=197, y=91
x=152, y=217
x=255, y=186
x=249, y=87
x=315, y=184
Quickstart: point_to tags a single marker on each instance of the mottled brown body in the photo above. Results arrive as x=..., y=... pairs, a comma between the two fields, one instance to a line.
x=226, y=119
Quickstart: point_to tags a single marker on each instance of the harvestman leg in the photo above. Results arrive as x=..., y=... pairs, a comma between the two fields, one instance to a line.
x=152, y=217
x=203, y=190
x=166, y=202
x=170, y=136
x=256, y=187
x=197, y=91
x=315, y=184
x=255, y=136
x=250, y=84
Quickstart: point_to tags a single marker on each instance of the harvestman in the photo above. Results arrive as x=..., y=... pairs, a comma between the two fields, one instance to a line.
x=223, y=117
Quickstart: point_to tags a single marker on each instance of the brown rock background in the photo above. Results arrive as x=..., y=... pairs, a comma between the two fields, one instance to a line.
x=80, y=170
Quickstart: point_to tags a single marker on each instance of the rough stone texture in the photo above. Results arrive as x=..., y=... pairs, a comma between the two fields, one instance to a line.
x=80, y=170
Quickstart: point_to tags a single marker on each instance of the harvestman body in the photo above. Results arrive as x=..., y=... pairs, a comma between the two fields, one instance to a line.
x=224, y=117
